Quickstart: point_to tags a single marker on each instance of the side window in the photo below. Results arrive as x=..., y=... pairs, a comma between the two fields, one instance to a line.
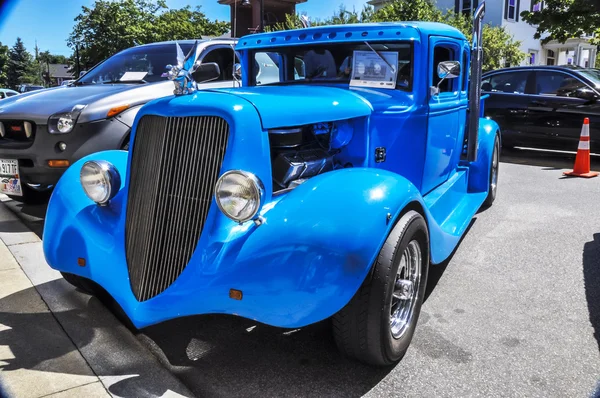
x=10, y=94
x=266, y=65
x=556, y=84
x=2, y=95
x=511, y=82
x=442, y=53
x=225, y=58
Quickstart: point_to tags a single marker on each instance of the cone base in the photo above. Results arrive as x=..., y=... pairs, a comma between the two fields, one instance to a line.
x=589, y=174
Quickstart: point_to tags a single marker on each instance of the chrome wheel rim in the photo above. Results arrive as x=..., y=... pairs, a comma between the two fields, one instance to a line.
x=406, y=289
x=495, y=160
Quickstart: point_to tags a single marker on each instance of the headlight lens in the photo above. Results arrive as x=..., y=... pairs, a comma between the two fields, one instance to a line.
x=62, y=123
x=239, y=195
x=100, y=181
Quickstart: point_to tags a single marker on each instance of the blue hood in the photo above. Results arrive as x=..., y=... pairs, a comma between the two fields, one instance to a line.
x=298, y=105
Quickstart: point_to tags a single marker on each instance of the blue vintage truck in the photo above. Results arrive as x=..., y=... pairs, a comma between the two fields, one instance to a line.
x=352, y=158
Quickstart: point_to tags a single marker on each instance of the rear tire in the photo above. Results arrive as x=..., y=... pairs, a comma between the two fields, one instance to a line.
x=493, y=178
x=377, y=325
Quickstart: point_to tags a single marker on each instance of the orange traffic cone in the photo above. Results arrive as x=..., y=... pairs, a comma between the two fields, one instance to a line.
x=582, y=160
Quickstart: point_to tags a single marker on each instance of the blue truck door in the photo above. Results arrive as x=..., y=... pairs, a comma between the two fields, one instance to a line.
x=444, y=109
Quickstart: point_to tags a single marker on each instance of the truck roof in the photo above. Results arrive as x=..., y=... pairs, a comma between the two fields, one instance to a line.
x=349, y=33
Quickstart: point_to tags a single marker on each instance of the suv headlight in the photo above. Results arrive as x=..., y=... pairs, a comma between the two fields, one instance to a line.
x=239, y=195
x=64, y=122
x=100, y=180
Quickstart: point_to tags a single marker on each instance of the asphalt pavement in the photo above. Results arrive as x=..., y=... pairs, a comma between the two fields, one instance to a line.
x=515, y=312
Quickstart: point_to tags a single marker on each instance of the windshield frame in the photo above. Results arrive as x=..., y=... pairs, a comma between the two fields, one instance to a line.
x=290, y=50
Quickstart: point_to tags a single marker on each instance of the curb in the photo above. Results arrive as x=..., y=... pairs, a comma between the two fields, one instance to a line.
x=120, y=363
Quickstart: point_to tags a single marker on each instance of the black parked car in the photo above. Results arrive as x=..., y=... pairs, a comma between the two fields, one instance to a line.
x=544, y=106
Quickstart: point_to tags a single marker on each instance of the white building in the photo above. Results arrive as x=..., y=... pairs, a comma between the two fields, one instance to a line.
x=506, y=13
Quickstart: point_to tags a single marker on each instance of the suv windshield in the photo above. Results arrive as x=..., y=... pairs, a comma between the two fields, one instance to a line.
x=592, y=74
x=329, y=63
x=147, y=63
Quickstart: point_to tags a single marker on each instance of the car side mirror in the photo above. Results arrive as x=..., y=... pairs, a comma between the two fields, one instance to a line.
x=206, y=72
x=586, y=93
x=445, y=70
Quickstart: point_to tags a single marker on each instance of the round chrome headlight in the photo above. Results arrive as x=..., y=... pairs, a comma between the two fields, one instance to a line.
x=100, y=180
x=239, y=195
x=65, y=123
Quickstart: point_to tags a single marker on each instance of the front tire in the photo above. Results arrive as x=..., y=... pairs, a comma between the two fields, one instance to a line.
x=31, y=196
x=79, y=282
x=377, y=325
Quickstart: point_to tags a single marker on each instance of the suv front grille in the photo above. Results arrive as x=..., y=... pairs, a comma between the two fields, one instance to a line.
x=174, y=167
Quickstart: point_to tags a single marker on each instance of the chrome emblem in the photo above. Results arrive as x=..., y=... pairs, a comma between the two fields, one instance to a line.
x=181, y=73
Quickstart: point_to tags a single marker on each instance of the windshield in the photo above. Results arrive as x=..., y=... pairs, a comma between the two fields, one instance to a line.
x=147, y=63
x=333, y=63
x=592, y=74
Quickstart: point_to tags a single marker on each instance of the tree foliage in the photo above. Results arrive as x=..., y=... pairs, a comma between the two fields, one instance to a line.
x=19, y=64
x=111, y=26
x=3, y=65
x=498, y=45
x=564, y=19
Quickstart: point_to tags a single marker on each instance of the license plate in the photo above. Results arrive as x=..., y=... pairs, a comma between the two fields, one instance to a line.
x=10, y=183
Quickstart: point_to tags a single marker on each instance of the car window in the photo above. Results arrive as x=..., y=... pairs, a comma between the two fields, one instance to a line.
x=224, y=57
x=9, y=94
x=2, y=96
x=549, y=83
x=510, y=82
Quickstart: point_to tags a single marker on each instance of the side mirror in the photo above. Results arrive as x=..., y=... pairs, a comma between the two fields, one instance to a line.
x=448, y=69
x=206, y=72
x=586, y=93
x=445, y=70
x=237, y=71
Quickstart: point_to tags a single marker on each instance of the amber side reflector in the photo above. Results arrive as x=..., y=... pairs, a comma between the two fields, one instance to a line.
x=116, y=110
x=235, y=294
x=58, y=163
x=81, y=262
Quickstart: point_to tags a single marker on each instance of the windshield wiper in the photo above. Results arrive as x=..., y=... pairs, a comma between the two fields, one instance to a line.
x=381, y=57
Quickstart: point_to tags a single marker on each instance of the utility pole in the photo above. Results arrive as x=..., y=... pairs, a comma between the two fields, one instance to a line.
x=261, y=26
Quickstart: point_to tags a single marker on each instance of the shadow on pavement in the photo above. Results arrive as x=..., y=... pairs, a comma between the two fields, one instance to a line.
x=591, y=278
x=549, y=160
x=31, y=215
x=225, y=356
x=35, y=340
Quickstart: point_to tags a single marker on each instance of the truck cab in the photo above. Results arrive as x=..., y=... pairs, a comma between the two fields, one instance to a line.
x=351, y=160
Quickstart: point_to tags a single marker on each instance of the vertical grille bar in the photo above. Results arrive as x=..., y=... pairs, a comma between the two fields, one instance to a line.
x=174, y=168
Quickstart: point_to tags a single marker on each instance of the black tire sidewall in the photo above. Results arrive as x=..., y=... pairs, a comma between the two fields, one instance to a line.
x=416, y=229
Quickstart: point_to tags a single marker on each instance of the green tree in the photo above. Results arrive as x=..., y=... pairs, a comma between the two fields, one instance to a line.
x=19, y=64
x=111, y=26
x=564, y=19
x=3, y=65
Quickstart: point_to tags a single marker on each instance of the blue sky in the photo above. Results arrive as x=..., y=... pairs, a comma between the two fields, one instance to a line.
x=50, y=21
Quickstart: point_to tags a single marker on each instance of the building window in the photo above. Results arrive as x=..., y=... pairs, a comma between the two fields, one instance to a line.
x=512, y=10
x=532, y=57
x=535, y=7
x=550, y=57
x=465, y=6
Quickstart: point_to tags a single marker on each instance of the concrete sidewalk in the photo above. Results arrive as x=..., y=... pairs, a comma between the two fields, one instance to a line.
x=58, y=342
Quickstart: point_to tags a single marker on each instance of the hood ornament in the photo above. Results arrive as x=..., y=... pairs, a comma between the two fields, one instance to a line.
x=181, y=73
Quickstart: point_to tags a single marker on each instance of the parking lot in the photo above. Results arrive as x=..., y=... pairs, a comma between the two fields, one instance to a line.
x=514, y=312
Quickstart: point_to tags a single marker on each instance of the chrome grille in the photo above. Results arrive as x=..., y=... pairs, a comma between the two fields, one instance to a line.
x=174, y=168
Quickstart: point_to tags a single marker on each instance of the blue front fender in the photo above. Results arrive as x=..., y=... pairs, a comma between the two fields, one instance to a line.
x=301, y=265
